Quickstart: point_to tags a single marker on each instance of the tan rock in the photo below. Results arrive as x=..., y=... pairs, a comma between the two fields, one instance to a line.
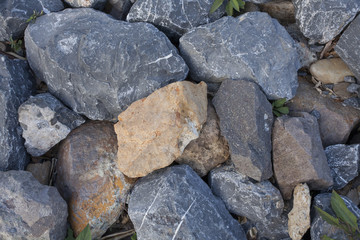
x=41, y=171
x=330, y=70
x=340, y=90
x=154, y=131
x=282, y=10
x=299, y=216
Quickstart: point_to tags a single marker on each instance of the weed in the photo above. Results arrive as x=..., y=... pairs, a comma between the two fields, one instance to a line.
x=15, y=45
x=35, y=15
x=84, y=235
x=230, y=6
x=278, y=107
x=134, y=237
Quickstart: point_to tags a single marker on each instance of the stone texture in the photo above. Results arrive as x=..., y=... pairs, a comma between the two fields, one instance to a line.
x=174, y=203
x=248, y=131
x=17, y=84
x=333, y=115
x=243, y=197
x=40, y=171
x=298, y=155
x=174, y=17
x=321, y=20
x=97, y=4
x=343, y=161
x=89, y=180
x=45, y=121
x=14, y=15
x=331, y=70
x=299, y=216
x=271, y=61
x=341, y=91
x=282, y=10
x=119, y=8
x=209, y=150
x=94, y=80
x=154, y=131
x=30, y=210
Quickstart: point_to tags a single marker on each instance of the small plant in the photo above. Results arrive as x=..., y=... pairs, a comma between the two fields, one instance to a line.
x=230, y=6
x=134, y=237
x=84, y=235
x=35, y=15
x=278, y=107
x=344, y=219
x=15, y=44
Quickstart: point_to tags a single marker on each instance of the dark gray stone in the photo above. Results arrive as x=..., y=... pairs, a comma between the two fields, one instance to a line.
x=45, y=121
x=30, y=210
x=255, y=201
x=246, y=121
x=353, y=102
x=14, y=15
x=96, y=4
x=17, y=84
x=98, y=65
x=230, y=48
x=321, y=20
x=174, y=203
x=119, y=8
x=343, y=161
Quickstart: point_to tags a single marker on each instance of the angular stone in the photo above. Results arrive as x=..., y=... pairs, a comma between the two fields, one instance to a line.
x=17, y=84
x=255, y=201
x=271, y=61
x=343, y=161
x=97, y=4
x=30, y=210
x=40, y=171
x=298, y=155
x=320, y=22
x=154, y=131
x=119, y=8
x=94, y=80
x=89, y=180
x=209, y=150
x=333, y=115
x=248, y=131
x=45, y=121
x=282, y=10
x=174, y=203
x=332, y=70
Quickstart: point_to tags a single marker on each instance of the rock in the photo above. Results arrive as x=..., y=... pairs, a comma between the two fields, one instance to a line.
x=154, y=131
x=299, y=216
x=347, y=46
x=174, y=203
x=97, y=4
x=209, y=150
x=45, y=121
x=353, y=88
x=352, y=102
x=319, y=21
x=30, y=210
x=282, y=10
x=17, y=84
x=271, y=61
x=40, y=171
x=343, y=161
x=245, y=121
x=89, y=180
x=72, y=62
x=341, y=91
x=255, y=201
x=119, y=8
x=333, y=115
x=298, y=155
x=14, y=15
x=174, y=17
x=331, y=70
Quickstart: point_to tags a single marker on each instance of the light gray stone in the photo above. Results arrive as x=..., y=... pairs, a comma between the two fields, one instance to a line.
x=230, y=48
x=97, y=4
x=67, y=51
x=174, y=203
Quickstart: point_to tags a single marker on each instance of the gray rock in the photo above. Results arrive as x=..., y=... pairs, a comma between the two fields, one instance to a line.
x=174, y=203
x=94, y=80
x=352, y=102
x=255, y=201
x=17, y=84
x=45, y=121
x=343, y=161
x=118, y=8
x=321, y=21
x=353, y=88
x=276, y=229
x=97, y=4
x=14, y=15
x=245, y=121
x=174, y=17
x=30, y=210
x=230, y=48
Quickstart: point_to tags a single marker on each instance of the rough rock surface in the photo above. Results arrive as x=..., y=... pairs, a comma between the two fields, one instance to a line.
x=89, y=180
x=174, y=203
x=246, y=121
x=299, y=216
x=343, y=161
x=298, y=155
x=282, y=10
x=321, y=21
x=271, y=61
x=97, y=4
x=119, y=8
x=17, y=84
x=30, y=210
x=40, y=171
x=154, y=131
x=243, y=197
x=45, y=121
x=94, y=80
x=330, y=70
x=209, y=150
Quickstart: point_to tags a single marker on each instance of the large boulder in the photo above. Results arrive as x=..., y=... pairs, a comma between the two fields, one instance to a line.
x=98, y=65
